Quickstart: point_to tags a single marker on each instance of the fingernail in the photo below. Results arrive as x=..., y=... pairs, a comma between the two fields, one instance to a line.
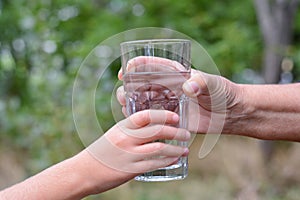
x=187, y=135
x=175, y=118
x=192, y=88
x=186, y=152
x=120, y=75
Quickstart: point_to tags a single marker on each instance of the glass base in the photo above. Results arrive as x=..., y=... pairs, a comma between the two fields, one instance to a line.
x=177, y=171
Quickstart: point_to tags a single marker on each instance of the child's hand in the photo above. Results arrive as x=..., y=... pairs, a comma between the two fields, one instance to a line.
x=128, y=146
x=132, y=147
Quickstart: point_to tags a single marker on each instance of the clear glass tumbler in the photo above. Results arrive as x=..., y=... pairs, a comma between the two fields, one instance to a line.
x=153, y=74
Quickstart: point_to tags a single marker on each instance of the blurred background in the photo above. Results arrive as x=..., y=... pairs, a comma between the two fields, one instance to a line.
x=43, y=43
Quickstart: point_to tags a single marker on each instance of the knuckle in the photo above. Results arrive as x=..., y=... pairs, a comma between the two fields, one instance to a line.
x=143, y=116
x=187, y=135
x=158, y=146
x=184, y=134
x=152, y=165
x=158, y=130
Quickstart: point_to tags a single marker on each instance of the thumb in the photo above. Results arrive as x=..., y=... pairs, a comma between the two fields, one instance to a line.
x=200, y=83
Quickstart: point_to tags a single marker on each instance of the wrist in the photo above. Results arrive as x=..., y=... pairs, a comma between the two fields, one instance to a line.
x=240, y=111
x=83, y=182
x=97, y=176
x=266, y=112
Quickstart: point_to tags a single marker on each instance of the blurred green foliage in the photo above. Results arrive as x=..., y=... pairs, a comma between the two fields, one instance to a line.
x=42, y=44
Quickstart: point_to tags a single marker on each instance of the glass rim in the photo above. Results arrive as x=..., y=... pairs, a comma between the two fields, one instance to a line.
x=156, y=41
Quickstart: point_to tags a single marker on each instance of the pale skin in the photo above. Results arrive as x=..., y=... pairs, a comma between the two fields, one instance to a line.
x=270, y=112
x=91, y=172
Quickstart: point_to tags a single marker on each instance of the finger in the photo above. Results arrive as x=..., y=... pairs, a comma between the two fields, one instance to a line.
x=202, y=83
x=196, y=85
x=159, y=132
x=120, y=75
x=131, y=159
x=145, y=117
x=158, y=63
x=211, y=90
x=155, y=149
x=124, y=111
x=121, y=95
x=153, y=164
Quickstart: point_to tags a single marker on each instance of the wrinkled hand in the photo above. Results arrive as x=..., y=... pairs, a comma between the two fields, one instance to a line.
x=214, y=100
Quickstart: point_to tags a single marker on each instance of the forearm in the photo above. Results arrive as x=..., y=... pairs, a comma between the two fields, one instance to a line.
x=61, y=181
x=268, y=112
x=73, y=179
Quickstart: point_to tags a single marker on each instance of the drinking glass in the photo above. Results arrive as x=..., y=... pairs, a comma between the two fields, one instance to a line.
x=153, y=74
